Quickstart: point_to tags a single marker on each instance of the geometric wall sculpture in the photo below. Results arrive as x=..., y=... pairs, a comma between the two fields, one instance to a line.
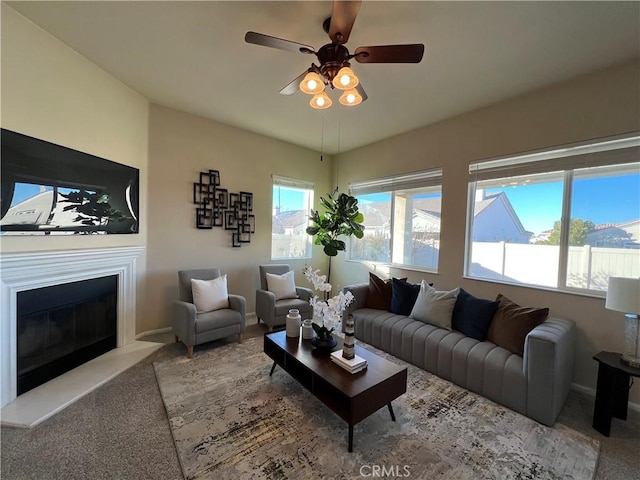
x=216, y=207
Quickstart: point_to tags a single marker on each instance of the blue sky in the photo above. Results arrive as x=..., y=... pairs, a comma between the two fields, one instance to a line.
x=601, y=200
x=613, y=199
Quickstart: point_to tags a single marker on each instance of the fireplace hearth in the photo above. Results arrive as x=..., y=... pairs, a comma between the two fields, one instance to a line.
x=63, y=326
x=22, y=272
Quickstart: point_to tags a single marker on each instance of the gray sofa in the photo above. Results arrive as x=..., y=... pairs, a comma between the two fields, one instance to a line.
x=535, y=385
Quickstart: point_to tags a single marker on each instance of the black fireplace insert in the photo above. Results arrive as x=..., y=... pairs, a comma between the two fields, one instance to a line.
x=63, y=326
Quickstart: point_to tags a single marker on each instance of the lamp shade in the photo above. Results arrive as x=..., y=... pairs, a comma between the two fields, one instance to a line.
x=345, y=79
x=321, y=101
x=351, y=98
x=312, y=84
x=623, y=295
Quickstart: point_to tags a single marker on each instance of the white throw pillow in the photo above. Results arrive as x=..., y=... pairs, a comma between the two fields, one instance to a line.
x=434, y=306
x=210, y=295
x=282, y=286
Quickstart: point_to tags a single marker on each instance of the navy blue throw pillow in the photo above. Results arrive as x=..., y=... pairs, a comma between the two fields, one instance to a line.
x=472, y=316
x=403, y=296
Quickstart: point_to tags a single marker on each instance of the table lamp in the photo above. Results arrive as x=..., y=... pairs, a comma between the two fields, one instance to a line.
x=623, y=295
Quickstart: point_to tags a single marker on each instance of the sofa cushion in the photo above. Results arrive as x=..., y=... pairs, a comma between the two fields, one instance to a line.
x=379, y=293
x=511, y=323
x=472, y=315
x=434, y=306
x=403, y=296
x=209, y=295
x=282, y=286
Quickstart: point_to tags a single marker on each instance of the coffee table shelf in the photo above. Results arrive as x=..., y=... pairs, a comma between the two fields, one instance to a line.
x=353, y=397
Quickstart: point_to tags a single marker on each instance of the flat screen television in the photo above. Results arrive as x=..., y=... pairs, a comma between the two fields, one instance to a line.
x=49, y=189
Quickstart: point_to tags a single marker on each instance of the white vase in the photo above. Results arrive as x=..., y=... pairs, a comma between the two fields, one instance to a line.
x=307, y=330
x=293, y=323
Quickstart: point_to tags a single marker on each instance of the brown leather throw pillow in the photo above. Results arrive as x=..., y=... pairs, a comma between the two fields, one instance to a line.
x=379, y=294
x=511, y=323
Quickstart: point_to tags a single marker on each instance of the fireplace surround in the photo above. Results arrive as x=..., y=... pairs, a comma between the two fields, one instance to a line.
x=30, y=270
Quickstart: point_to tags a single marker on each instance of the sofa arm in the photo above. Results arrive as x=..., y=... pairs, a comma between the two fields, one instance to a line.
x=239, y=304
x=265, y=306
x=304, y=293
x=359, y=292
x=548, y=367
x=184, y=321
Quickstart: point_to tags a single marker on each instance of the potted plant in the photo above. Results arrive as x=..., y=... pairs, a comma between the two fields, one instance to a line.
x=341, y=218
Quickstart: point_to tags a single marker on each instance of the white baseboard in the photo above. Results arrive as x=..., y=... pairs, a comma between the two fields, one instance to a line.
x=592, y=393
x=153, y=332
x=250, y=319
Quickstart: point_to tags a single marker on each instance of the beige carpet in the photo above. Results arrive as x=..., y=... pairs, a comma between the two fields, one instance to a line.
x=229, y=419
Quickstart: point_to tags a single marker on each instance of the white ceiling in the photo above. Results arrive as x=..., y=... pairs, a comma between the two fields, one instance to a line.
x=192, y=56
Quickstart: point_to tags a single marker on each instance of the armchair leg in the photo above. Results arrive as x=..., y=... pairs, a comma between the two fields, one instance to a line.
x=177, y=339
x=189, y=351
x=239, y=338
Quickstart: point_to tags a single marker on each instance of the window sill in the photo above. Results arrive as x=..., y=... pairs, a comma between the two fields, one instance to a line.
x=396, y=266
x=570, y=291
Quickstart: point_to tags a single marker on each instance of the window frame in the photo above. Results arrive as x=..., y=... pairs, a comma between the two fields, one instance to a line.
x=566, y=160
x=395, y=185
x=297, y=184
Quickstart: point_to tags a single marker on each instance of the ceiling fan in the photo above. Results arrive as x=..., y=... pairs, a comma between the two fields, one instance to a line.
x=334, y=70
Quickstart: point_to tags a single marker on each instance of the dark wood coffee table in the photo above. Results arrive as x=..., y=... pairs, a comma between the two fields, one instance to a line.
x=353, y=397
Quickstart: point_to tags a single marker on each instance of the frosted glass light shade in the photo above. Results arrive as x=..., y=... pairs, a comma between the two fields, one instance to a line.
x=321, y=101
x=345, y=79
x=312, y=83
x=351, y=98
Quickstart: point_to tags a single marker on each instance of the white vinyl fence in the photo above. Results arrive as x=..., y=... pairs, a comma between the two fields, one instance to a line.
x=587, y=267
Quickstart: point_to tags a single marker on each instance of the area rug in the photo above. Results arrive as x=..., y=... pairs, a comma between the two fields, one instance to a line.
x=230, y=419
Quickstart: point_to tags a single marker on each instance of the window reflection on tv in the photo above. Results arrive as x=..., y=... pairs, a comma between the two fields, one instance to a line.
x=49, y=189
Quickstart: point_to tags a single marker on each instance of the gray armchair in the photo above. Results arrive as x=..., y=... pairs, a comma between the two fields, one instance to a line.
x=274, y=312
x=193, y=328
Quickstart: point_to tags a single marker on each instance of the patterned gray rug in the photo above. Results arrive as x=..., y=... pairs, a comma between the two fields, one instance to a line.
x=231, y=420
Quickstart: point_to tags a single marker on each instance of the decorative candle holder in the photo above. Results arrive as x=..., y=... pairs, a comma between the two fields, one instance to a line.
x=349, y=345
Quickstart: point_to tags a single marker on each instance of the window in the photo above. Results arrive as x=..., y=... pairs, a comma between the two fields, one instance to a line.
x=401, y=218
x=566, y=219
x=292, y=203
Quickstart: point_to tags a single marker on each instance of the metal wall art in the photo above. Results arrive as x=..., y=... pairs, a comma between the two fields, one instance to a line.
x=216, y=207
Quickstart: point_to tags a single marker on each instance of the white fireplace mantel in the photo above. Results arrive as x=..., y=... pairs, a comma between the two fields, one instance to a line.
x=29, y=270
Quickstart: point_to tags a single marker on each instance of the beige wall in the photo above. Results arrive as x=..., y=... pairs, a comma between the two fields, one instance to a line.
x=52, y=93
x=598, y=105
x=181, y=146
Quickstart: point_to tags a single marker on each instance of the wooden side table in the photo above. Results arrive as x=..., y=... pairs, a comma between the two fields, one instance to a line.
x=612, y=393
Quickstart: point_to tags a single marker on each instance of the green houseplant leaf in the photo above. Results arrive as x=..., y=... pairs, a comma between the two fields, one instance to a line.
x=341, y=218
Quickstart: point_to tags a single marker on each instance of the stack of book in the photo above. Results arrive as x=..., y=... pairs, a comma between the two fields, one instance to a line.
x=355, y=365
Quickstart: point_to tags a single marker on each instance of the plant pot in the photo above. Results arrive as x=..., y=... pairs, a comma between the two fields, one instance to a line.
x=324, y=343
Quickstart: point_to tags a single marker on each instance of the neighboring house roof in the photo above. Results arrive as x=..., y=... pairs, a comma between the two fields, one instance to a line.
x=292, y=218
x=625, y=234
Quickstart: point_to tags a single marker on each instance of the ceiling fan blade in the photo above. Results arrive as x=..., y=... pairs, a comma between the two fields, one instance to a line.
x=361, y=91
x=273, y=42
x=390, y=53
x=293, y=86
x=343, y=16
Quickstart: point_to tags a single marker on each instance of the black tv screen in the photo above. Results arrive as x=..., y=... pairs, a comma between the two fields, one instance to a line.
x=50, y=189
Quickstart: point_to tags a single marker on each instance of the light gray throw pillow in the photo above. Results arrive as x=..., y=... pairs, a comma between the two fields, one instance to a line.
x=434, y=306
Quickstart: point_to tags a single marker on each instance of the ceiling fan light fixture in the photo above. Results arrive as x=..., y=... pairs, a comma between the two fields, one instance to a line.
x=312, y=83
x=320, y=101
x=345, y=79
x=351, y=98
